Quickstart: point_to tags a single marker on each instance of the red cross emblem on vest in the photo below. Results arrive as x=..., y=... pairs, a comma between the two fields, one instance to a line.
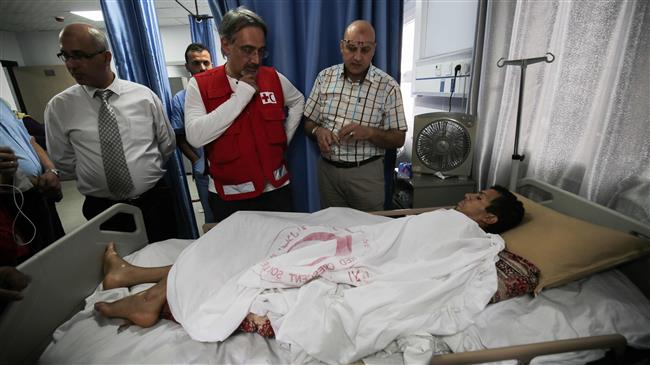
x=268, y=97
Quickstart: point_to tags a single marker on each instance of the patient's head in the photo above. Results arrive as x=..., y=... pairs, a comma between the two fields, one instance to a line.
x=495, y=209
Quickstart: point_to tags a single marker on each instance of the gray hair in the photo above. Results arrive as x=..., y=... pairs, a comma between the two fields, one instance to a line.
x=237, y=19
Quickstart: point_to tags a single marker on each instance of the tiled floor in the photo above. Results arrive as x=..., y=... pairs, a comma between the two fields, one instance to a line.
x=69, y=208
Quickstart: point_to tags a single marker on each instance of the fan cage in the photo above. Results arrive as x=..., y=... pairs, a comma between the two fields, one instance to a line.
x=443, y=144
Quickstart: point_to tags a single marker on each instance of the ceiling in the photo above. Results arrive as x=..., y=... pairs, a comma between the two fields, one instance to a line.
x=38, y=15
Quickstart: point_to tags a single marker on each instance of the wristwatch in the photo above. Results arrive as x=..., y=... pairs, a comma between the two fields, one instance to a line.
x=54, y=171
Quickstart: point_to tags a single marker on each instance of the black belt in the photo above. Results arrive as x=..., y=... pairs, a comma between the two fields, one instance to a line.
x=161, y=184
x=347, y=165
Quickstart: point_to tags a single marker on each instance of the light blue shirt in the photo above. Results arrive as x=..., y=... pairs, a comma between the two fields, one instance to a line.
x=177, y=121
x=14, y=135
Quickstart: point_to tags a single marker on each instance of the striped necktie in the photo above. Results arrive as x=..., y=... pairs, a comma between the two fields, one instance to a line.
x=117, y=173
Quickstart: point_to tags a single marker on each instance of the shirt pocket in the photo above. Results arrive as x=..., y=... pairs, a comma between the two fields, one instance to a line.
x=140, y=130
x=333, y=102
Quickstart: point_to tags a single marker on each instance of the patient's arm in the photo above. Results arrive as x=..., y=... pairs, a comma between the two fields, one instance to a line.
x=119, y=273
x=403, y=212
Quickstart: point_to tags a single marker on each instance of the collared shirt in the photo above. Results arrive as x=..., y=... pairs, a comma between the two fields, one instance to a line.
x=14, y=135
x=73, y=139
x=177, y=119
x=336, y=101
x=202, y=128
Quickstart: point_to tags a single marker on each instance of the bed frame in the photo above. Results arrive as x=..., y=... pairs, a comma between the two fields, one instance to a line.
x=69, y=270
x=63, y=275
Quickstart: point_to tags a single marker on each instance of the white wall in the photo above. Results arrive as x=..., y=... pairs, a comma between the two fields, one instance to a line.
x=434, y=33
x=9, y=51
x=5, y=90
x=40, y=48
x=9, y=48
x=175, y=40
x=444, y=38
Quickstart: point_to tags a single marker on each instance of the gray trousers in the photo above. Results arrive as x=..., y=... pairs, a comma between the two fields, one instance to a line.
x=360, y=187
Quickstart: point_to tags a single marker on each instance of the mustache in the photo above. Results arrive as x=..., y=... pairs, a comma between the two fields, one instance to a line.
x=250, y=68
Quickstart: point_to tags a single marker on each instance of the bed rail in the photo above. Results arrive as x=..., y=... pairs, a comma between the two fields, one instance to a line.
x=579, y=207
x=525, y=353
x=26, y=326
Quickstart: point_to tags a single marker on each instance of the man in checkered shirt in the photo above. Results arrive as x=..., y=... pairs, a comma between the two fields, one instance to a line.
x=354, y=113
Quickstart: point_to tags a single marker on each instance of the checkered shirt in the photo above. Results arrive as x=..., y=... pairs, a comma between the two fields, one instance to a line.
x=335, y=101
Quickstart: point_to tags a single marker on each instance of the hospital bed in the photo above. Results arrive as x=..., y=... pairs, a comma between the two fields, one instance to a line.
x=69, y=271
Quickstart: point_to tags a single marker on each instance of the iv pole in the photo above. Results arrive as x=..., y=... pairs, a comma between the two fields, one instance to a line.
x=517, y=159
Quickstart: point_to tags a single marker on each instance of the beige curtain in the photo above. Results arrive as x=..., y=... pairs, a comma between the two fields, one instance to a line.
x=586, y=116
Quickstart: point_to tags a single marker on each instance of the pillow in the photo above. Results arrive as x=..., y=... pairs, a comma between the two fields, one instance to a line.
x=516, y=276
x=565, y=248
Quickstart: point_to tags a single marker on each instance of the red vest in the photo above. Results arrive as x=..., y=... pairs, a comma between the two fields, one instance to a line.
x=251, y=151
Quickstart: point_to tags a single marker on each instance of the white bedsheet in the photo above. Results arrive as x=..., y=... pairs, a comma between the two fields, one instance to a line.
x=371, y=283
x=602, y=304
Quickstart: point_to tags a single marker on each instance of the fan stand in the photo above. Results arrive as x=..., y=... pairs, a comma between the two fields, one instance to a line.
x=517, y=159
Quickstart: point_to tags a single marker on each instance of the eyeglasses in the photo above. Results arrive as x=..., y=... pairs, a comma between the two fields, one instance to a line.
x=77, y=55
x=250, y=51
x=353, y=46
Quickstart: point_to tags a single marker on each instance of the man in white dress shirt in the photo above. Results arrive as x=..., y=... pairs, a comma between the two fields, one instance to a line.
x=125, y=164
x=237, y=112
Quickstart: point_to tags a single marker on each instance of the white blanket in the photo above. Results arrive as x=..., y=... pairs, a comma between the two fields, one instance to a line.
x=602, y=304
x=359, y=287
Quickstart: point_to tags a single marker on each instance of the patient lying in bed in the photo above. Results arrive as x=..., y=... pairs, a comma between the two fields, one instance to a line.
x=397, y=258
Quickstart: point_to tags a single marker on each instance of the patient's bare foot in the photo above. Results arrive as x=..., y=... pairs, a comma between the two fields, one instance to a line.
x=116, y=269
x=142, y=309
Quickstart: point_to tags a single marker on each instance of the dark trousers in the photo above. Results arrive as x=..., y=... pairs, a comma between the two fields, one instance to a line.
x=278, y=200
x=156, y=204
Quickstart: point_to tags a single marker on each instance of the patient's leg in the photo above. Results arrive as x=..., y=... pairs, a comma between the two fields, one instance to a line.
x=142, y=309
x=119, y=273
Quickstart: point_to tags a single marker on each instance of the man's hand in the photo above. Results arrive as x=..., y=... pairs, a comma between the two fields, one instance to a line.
x=8, y=161
x=12, y=282
x=325, y=139
x=355, y=132
x=391, y=138
x=49, y=184
x=248, y=75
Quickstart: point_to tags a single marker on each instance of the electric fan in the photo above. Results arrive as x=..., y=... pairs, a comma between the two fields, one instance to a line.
x=442, y=142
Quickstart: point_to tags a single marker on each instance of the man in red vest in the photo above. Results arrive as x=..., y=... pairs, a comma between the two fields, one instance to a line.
x=237, y=112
